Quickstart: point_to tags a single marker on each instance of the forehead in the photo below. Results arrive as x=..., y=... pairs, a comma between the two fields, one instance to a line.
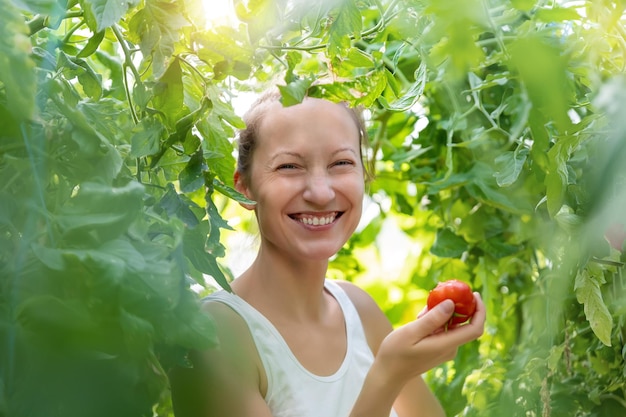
x=314, y=121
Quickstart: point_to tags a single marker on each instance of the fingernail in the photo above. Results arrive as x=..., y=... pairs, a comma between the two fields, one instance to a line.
x=447, y=306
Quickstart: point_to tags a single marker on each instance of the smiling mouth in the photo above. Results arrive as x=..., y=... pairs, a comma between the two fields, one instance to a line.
x=312, y=220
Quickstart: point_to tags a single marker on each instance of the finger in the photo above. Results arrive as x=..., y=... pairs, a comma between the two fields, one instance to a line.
x=478, y=300
x=471, y=331
x=480, y=313
x=422, y=312
x=431, y=320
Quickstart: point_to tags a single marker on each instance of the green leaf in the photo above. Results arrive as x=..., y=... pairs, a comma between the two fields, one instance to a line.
x=191, y=178
x=237, y=69
x=114, y=65
x=106, y=13
x=411, y=97
x=556, y=14
x=347, y=23
x=156, y=29
x=403, y=205
x=91, y=82
x=351, y=63
x=48, y=315
x=195, y=249
x=92, y=45
x=218, y=149
x=79, y=68
x=448, y=245
x=51, y=257
x=260, y=16
x=169, y=94
x=189, y=326
x=556, y=181
x=484, y=188
x=231, y=192
x=177, y=205
x=568, y=219
x=147, y=136
x=17, y=75
x=104, y=158
x=100, y=211
x=588, y=293
x=371, y=87
x=224, y=44
x=217, y=223
x=457, y=50
x=53, y=9
x=542, y=69
x=556, y=354
x=295, y=91
x=510, y=165
x=402, y=156
x=138, y=333
x=498, y=249
x=357, y=58
x=524, y=5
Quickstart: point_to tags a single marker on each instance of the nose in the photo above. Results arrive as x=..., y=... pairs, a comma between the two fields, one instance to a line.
x=319, y=189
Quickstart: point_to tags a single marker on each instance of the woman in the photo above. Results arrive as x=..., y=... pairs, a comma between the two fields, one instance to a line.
x=291, y=342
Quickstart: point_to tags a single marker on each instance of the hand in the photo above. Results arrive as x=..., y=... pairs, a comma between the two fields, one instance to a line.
x=421, y=345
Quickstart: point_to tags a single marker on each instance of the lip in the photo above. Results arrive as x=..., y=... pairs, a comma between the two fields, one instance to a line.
x=316, y=220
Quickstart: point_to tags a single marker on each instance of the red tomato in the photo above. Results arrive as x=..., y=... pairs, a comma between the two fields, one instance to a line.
x=460, y=293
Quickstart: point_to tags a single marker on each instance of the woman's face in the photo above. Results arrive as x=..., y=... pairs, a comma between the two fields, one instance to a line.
x=307, y=179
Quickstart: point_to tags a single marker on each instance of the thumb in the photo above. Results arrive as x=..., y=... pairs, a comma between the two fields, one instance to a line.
x=433, y=320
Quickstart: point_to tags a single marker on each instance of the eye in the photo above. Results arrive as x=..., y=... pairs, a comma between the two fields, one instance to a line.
x=286, y=166
x=344, y=162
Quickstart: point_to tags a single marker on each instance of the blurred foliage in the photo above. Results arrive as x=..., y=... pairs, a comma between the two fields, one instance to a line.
x=498, y=134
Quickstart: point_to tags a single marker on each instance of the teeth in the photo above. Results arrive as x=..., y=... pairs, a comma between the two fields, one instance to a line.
x=318, y=221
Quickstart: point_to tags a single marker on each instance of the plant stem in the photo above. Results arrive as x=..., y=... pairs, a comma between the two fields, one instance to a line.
x=128, y=62
x=71, y=31
x=40, y=21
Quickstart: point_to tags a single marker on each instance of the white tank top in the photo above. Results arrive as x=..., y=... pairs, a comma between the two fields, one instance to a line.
x=293, y=391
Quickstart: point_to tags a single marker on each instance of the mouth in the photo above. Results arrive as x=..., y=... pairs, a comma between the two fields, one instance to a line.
x=316, y=220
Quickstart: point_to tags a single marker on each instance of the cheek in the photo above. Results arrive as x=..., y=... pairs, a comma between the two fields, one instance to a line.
x=357, y=188
x=354, y=191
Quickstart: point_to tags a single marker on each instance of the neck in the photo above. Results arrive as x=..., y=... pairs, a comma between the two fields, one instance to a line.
x=277, y=284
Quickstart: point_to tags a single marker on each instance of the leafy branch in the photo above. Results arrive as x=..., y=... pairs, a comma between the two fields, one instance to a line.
x=128, y=63
x=40, y=22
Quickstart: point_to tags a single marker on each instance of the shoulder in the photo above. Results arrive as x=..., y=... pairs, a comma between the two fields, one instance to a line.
x=359, y=297
x=375, y=323
x=221, y=311
x=231, y=330
x=224, y=379
x=235, y=343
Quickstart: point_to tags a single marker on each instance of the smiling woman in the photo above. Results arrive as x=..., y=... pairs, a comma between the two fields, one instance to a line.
x=292, y=343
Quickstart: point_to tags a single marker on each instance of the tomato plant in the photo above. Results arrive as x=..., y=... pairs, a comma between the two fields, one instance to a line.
x=499, y=152
x=460, y=293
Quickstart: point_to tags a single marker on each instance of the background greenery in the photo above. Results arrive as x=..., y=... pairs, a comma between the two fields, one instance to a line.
x=498, y=132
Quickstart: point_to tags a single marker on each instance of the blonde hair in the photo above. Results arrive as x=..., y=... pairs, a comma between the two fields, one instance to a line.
x=247, y=137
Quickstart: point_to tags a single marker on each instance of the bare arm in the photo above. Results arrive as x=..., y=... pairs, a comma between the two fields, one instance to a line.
x=402, y=355
x=225, y=380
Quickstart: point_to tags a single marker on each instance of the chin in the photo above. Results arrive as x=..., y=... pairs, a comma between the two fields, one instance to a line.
x=317, y=254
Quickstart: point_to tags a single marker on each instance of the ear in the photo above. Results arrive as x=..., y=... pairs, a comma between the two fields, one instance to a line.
x=240, y=185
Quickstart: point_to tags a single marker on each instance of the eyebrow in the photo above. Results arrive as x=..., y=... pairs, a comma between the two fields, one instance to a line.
x=285, y=153
x=346, y=149
x=299, y=156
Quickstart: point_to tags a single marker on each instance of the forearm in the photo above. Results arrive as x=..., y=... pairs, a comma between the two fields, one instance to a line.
x=412, y=399
x=417, y=400
x=377, y=396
